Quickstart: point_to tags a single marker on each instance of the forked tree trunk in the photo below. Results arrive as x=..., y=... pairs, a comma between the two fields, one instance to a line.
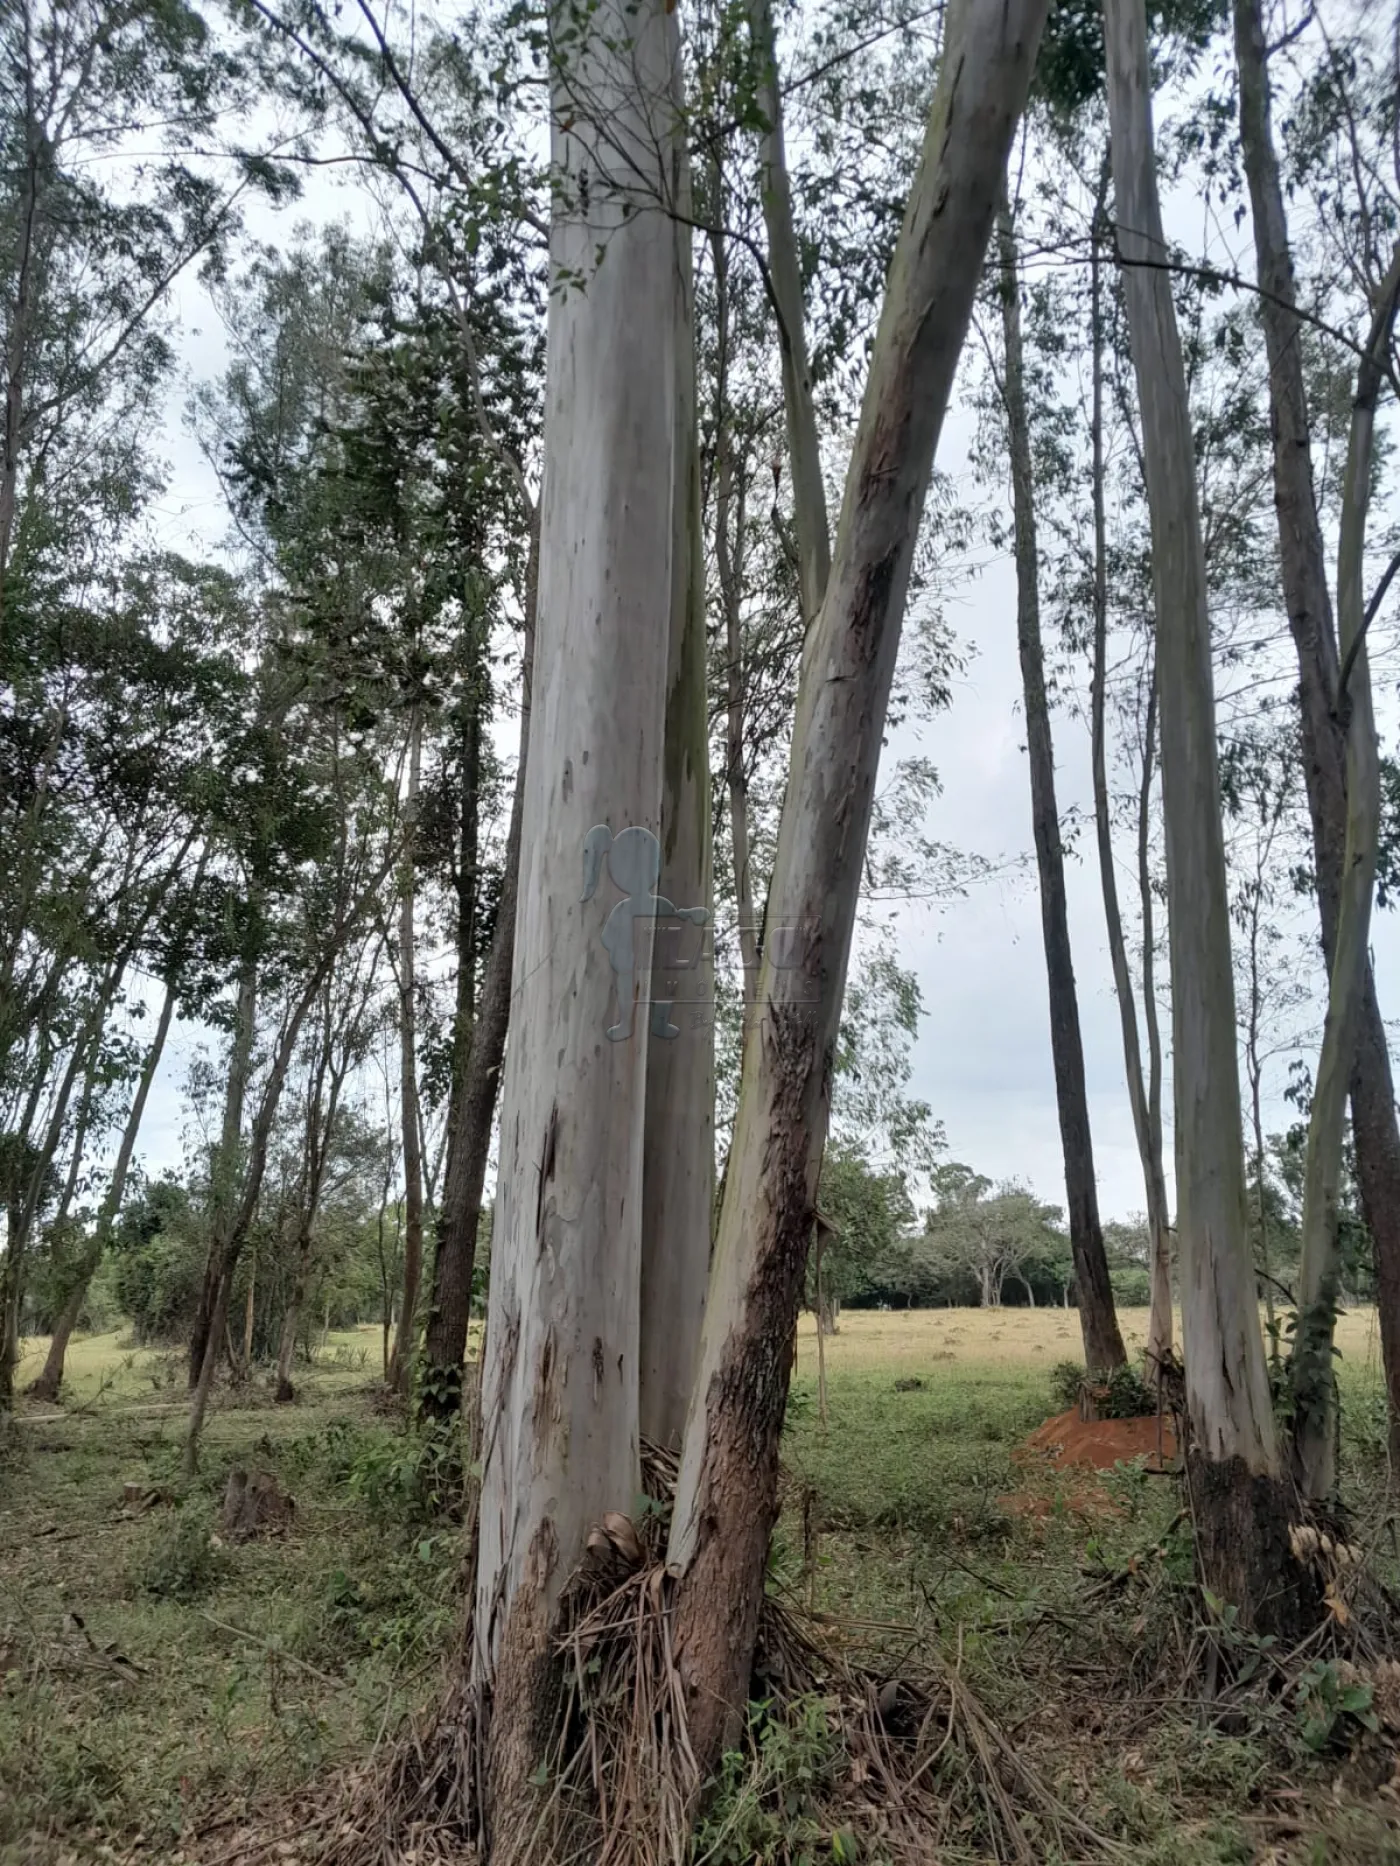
x=401, y=1362
x=50, y=1380
x=1312, y=1369
x=454, y=1264
x=561, y=1379
x=1240, y=1498
x=726, y=1497
x=235, y=1220
x=1098, y=1320
x=678, y=1175
x=1144, y=1101
x=1302, y=559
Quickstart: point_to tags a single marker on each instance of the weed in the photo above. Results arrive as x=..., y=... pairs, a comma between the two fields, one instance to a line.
x=1066, y=1380
x=179, y=1558
x=1327, y=1702
x=763, y=1808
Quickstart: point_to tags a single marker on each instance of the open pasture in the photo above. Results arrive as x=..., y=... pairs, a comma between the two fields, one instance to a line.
x=161, y=1686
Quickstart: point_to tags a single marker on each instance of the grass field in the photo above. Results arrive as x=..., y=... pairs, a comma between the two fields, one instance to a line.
x=159, y=1688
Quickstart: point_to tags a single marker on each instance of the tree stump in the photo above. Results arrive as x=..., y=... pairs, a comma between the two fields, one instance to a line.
x=253, y=1506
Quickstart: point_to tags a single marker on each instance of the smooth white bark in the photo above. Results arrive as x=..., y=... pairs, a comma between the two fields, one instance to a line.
x=561, y=1382
x=771, y=1182
x=1313, y=1372
x=784, y=282
x=1226, y=1378
x=678, y=1182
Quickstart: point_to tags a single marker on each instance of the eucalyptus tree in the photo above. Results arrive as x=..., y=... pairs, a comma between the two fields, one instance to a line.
x=1240, y=1498
x=726, y=1494
x=1327, y=128
x=325, y=836
x=1259, y=783
x=350, y=432
x=90, y=244
x=561, y=1384
x=339, y=1035
x=438, y=113
x=118, y=694
x=1103, y=1343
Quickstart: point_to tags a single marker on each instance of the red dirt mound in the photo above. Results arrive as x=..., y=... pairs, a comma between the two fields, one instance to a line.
x=1067, y=1441
x=1086, y=1447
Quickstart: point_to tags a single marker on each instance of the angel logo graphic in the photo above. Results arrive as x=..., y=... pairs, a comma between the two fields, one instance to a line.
x=633, y=859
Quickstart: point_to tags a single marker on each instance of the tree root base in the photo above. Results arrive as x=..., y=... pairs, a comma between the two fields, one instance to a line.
x=896, y=1764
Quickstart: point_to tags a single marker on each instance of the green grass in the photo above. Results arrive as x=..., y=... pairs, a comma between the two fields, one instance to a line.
x=111, y=1368
x=209, y=1679
x=202, y=1683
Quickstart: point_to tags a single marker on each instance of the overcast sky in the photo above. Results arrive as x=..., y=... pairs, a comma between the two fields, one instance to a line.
x=983, y=1056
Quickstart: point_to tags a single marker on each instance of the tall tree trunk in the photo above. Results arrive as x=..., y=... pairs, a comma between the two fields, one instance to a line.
x=245, y=1364
x=224, y=1173
x=401, y=1363
x=726, y=1497
x=678, y=1171
x=22, y=317
x=1098, y=1320
x=730, y=550
x=25, y=1210
x=236, y=1219
x=561, y=1378
x=1240, y=1500
x=1256, y=1115
x=291, y=1320
x=50, y=1380
x=1144, y=1101
x=1312, y=1369
x=784, y=281
x=453, y=1215
x=469, y=1148
x=1307, y=600
x=1160, y=1324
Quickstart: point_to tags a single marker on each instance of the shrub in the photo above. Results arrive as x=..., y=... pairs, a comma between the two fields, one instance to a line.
x=1066, y=1378
x=178, y=1557
x=1128, y=1395
x=1123, y=1395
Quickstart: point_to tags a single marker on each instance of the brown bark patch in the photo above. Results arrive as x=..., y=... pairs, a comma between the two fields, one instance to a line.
x=1244, y=1549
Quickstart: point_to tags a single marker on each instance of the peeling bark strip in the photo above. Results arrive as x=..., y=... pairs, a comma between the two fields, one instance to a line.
x=1227, y=1389
x=726, y=1496
x=560, y=1428
x=1098, y=1319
